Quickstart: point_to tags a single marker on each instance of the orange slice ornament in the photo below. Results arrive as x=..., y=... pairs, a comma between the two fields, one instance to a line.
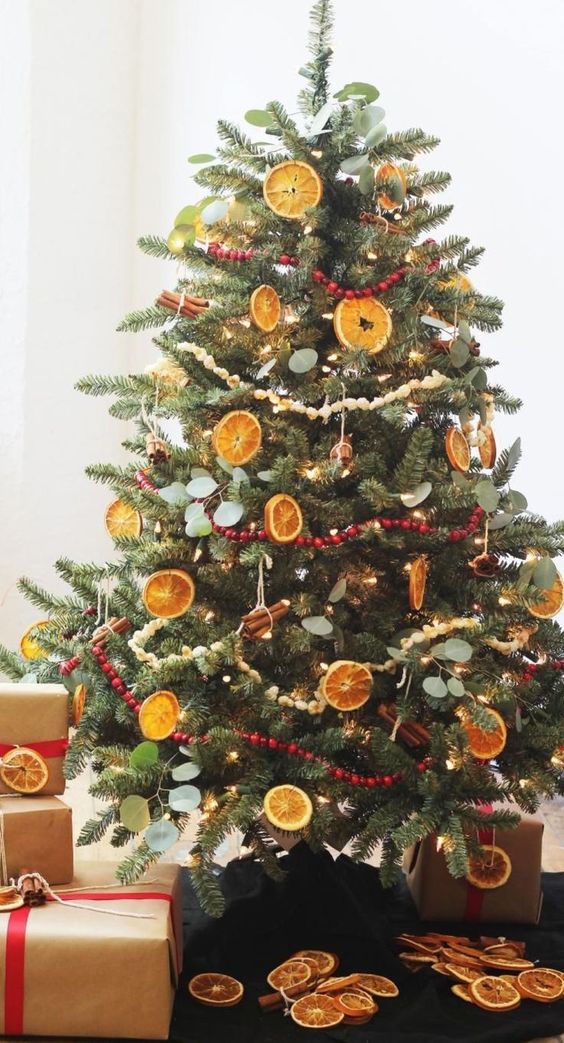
x=417, y=582
x=486, y=745
x=552, y=601
x=316, y=1012
x=346, y=685
x=457, y=449
x=288, y=808
x=158, y=715
x=121, y=521
x=29, y=647
x=362, y=323
x=78, y=703
x=487, y=449
x=265, y=308
x=283, y=518
x=168, y=593
x=216, y=990
x=291, y=188
x=290, y=974
x=489, y=869
x=237, y=437
x=389, y=172
x=23, y=770
x=355, y=1004
x=326, y=962
x=378, y=985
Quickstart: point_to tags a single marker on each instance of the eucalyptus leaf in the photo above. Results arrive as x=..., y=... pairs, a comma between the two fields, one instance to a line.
x=338, y=591
x=198, y=527
x=144, y=755
x=459, y=480
x=134, y=813
x=366, y=180
x=187, y=751
x=375, y=136
x=464, y=331
x=396, y=653
x=239, y=475
x=305, y=72
x=354, y=164
x=480, y=380
x=438, y=651
x=184, y=798
x=194, y=510
x=357, y=89
x=185, y=772
x=161, y=835
x=199, y=472
x=545, y=573
x=214, y=212
x=395, y=189
x=416, y=495
x=500, y=521
x=458, y=650
x=201, y=157
x=526, y=574
x=258, y=117
x=436, y=323
x=519, y=502
x=265, y=476
x=228, y=513
x=180, y=237
x=201, y=487
x=320, y=119
x=174, y=494
x=435, y=687
x=266, y=368
x=225, y=465
x=487, y=495
x=367, y=117
x=459, y=353
x=186, y=216
x=318, y=625
x=456, y=687
x=303, y=360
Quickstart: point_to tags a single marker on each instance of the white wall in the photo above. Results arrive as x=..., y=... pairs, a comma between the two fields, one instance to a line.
x=100, y=104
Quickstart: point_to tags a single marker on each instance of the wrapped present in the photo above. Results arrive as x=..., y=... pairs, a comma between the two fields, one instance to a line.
x=101, y=959
x=34, y=717
x=439, y=896
x=36, y=833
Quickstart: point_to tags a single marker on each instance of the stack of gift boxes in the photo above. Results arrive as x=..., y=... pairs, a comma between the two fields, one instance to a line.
x=118, y=949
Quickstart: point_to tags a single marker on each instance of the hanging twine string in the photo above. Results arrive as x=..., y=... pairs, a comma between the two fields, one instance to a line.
x=261, y=605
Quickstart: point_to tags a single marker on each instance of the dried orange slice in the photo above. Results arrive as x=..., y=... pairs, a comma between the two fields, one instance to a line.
x=290, y=974
x=291, y=188
x=316, y=1012
x=506, y=963
x=491, y=868
x=463, y=992
x=237, y=437
x=385, y=173
x=418, y=958
x=540, y=984
x=169, y=593
x=346, y=685
x=464, y=974
x=122, y=520
x=29, y=647
x=265, y=308
x=283, y=518
x=486, y=745
x=417, y=582
x=552, y=601
x=440, y=968
x=78, y=701
x=461, y=958
x=459, y=281
x=355, y=1004
x=487, y=449
x=23, y=770
x=362, y=323
x=339, y=984
x=457, y=449
x=378, y=985
x=492, y=993
x=288, y=807
x=216, y=990
x=326, y=962
x=158, y=715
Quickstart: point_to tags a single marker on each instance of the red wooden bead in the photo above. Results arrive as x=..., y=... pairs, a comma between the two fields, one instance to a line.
x=117, y=682
x=300, y=540
x=368, y=291
x=371, y=781
x=295, y=261
x=263, y=740
x=132, y=703
x=339, y=773
x=406, y=524
x=318, y=542
x=282, y=745
x=308, y=755
x=421, y=767
x=388, y=780
x=96, y=651
x=284, y=259
x=340, y=293
x=382, y=287
x=262, y=534
x=292, y=748
x=387, y=523
x=395, y=277
x=273, y=744
x=424, y=528
x=355, y=780
x=325, y=280
x=332, y=286
x=241, y=255
x=317, y=275
x=454, y=536
x=176, y=736
x=396, y=523
x=350, y=295
x=353, y=530
x=249, y=254
x=255, y=739
x=359, y=293
x=336, y=539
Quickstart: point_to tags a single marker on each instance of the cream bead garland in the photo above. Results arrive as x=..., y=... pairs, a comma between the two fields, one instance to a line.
x=427, y=633
x=138, y=641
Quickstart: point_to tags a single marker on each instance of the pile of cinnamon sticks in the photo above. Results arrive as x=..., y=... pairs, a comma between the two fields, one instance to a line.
x=191, y=306
x=113, y=626
x=260, y=621
x=411, y=733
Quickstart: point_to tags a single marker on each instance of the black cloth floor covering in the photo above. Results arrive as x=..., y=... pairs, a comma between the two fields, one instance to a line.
x=341, y=906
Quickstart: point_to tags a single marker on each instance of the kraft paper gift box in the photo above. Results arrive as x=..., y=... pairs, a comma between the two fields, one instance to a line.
x=438, y=896
x=36, y=836
x=36, y=716
x=89, y=972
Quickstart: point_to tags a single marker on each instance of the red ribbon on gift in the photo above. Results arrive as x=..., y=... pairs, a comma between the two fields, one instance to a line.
x=475, y=895
x=48, y=748
x=14, y=980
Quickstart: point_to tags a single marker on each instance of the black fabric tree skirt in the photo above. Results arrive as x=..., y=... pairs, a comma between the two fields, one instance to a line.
x=341, y=906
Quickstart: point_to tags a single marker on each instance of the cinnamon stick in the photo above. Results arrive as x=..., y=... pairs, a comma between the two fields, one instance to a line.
x=280, y=608
x=114, y=626
x=274, y=1000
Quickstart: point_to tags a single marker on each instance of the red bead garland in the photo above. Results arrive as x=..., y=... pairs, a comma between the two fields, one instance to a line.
x=530, y=669
x=225, y=253
x=145, y=483
x=338, y=291
x=254, y=738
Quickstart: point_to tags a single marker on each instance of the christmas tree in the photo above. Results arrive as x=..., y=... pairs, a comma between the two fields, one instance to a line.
x=329, y=599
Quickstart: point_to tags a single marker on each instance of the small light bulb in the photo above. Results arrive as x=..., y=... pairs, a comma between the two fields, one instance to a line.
x=372, y=256
x=504, y=601
x=324, y=666
x=267, y=636
x=333, y=532
x=326, y=369
x=210, y=614
x=371, y=581
x=449, y=765
x=327, y=315
x=345, y=472
x=197, y=554
x=383, y=377
x=207, y=434
x=333, y=357
x=308, y=228
x=440, y=842
x=316, y=153
x=245, y=322
x=226, y=678
x=232, y=756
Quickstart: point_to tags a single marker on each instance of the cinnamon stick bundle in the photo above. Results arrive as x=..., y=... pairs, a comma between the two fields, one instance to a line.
x=258, y=622
x=191, y=306
x=410, y=732
x=113, y=626
x=375, y=219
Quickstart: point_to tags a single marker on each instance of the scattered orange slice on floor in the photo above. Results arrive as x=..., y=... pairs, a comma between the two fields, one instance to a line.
x=492, y=993
x=460, y=958
x=265, y=308
x=486, y=745
x=463, y=993
x=288, y=808
x=169, y=593
x=464, y=974
x=316, y=1012
x=339, y=984
x=216, y=990
x=389, y=172
x=29, y=647
x=552, y=601
x=237, y=437
x=283, y=519
x=346, y=685
x=457, y=449
x=417, y=582
x=327, y=962
x=122, y=520
x=291, y=188
x=490, y=869
x=504, y=963
x=362, y=323
x=158, y=715
x=378, y=985
x=355, y=1004
x=441, y=968
x=289, y=974
x=23, y=770
x=78, y=702
x=487, y=449
x=541, y=984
